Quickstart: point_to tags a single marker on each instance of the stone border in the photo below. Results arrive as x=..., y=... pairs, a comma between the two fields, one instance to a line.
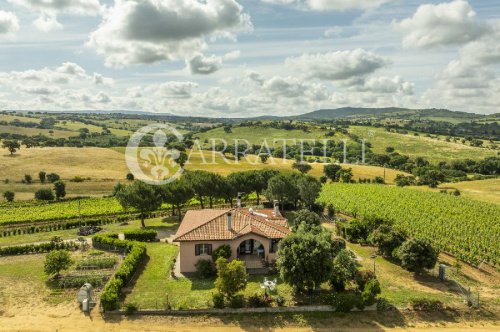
x=312, y=308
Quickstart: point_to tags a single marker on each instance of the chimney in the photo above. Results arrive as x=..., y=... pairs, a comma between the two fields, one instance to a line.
x=238, y=201
x=276, y=210
x=229, y=221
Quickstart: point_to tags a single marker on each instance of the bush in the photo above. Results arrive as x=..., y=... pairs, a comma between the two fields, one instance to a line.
x=9, y=196
x=96, y=263
x=237, y=301
x=257, y=301
x=362, y=277
x=44, y=194
x=37, y=248
x=384, y=305
x=131, y=308
x=222, y=251
x=141, y=235
x=130, y=177
x=416, y=255
x=280, y=301
x=53, y=177
x=205, y=268
x=56, y=261
x=218, y=300
x=345, y=302
x=370, y=292
x=423, y=304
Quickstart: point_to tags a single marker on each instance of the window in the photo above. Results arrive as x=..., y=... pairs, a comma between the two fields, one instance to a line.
x=203, y=249
x=273, y=245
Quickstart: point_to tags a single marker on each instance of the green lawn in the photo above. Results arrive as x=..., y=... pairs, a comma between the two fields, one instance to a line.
x=155, y=289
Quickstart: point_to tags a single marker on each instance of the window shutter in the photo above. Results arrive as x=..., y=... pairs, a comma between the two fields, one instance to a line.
x=197, y=250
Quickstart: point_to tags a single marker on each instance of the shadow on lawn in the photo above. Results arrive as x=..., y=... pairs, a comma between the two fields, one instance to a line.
x=201, y=283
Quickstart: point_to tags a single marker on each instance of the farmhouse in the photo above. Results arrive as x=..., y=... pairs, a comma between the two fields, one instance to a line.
x=252, y=235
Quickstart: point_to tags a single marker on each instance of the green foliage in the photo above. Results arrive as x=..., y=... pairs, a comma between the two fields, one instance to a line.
x=304, y=216
x=257, y=301
x=345, y=302
x=9, y=196
x=222, y=251
x=96, y=263
x=11, y=145
x=56, y=261
x=42, y=176
x=28, y=179
x=466, y=228
x=346, y=175
x=403, y=180
x=363, y=277
x=424, y=304
x=344, y=269
x=60, y=189
x=231, y=277
x=130, y=177
x=283, y=188
x=136, y=252
x=370, y=292
x=416, y=255
x=305, y=259
x=95, y=279
x=141, y=235
x=218, y=300
x=359, y=230
x=309, y=189
x=331, y=171
x=386, y=239
x=44, y=194
x=205, y=268
x=237, y=301
x=37, y=248
x=302, y=167
x=131, y=308
x=140, y=196
x=53, y=177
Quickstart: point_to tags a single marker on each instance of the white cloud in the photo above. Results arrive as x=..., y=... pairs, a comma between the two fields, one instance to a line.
x=385, y=84
x=100, y=79
x=330, y=5
x=442, y=24
x=39, y=90
x=177, y=89
x=79, y=7
x=9, y=23
x=135, y=32
x=200, y=64
x=340, y=65
x=47, y=23
x=71, y=68
x=333, y=31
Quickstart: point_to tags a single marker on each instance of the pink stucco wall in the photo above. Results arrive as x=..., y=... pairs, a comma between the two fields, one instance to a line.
x=188, y=258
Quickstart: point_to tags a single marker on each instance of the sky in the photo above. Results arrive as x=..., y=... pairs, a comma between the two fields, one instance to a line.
x=244, y=58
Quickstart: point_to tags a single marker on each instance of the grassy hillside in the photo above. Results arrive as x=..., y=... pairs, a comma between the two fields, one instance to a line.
x=256, y=134
x=467, y=228
x=419, y=146
x=482, y=190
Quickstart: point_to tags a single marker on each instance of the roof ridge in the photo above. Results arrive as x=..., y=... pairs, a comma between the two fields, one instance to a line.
x=271, y=224
x=224, y=211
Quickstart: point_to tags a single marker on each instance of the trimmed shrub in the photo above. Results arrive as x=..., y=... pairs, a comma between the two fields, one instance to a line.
x=141, y=235
x=218, y=300
x=37, y=248
x=237, y=301
x=345, y=302
x=135, y=254
x=205, y=268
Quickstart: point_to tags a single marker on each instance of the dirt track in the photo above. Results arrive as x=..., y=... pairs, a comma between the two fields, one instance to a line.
x=67, y=317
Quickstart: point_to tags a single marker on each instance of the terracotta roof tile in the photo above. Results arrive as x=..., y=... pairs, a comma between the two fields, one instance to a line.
x=209, y=224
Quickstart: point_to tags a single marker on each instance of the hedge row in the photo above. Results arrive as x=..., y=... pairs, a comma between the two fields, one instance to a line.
x=142, y=235
x=38, y=248
x=135, y=251
x=71, y=224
